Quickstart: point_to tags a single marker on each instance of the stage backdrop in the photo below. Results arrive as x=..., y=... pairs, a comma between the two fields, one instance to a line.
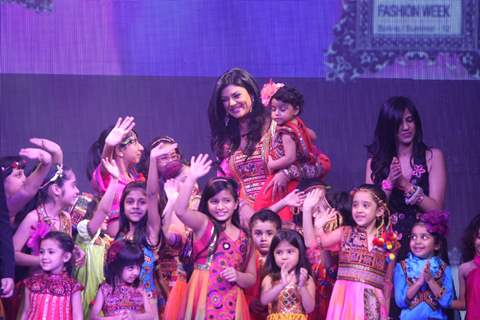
x=68, y=73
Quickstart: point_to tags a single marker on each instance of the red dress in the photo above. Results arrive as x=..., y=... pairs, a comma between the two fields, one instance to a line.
x=122, y=298
x=472, y=292
x=51, y=296
x=307, y=153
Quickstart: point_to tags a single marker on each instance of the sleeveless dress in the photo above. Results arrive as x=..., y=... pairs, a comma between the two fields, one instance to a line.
x=121, y=298
x=358, y=290
x=288, y=305
x=208, y=295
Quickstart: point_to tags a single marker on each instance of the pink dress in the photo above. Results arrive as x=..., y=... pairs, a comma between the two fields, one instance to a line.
x=472, y=292
x=51, y=296
x=122, y=298
x=209, y=296
x=358, y=290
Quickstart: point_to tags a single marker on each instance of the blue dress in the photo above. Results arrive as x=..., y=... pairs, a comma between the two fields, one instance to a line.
x=424, y=305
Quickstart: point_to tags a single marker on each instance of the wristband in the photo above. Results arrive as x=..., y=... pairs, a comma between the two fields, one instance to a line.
x=387, y=185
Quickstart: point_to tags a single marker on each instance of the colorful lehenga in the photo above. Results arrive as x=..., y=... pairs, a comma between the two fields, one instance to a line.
x=51, y=296
x=424, y=305
x=209, y=296
x=358, y=290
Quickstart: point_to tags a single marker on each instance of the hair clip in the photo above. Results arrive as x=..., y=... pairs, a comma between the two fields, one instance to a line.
x=58, y=175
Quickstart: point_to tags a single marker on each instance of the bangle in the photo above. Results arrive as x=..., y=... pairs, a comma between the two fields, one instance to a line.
x=387, y=185
x=414, y=196
x=286, y=172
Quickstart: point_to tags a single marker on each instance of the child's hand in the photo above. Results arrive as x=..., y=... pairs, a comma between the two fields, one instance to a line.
x=229, y=274
x=312, y=198
x=199, y=166
x=322, y=219
x=111, y=166
x=50, y=146
x=36, y=154
x=302, y=279
x=294, y=198
x=257, y=307
x=171, y=189
x=426, y=272
x=286, y=277
x=127, y=315
x=162, y=149
x=119, y=131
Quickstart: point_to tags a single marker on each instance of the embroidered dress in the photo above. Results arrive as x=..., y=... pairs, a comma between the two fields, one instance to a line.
x=306, y=153
x=288, y=305
x=472, y=293
x=121, y=298
x=100, y=182
x=90, y=275
x=424, y=305
x=51, y=296
x=209, y=296
x=358, y=290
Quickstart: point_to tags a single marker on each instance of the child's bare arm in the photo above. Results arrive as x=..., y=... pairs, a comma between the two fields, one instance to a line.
x=290, y=156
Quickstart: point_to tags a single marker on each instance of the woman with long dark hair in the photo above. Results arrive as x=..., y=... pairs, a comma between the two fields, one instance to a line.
x=242, y=132
x=412, y=174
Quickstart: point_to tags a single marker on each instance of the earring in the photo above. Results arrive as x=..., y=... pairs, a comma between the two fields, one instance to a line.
x=226, y=120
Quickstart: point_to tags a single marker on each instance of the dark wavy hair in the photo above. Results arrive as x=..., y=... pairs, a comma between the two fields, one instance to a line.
x=96, y=149
x=5, y=163
x=266, y=215
x=438, y=239
x=212, y=188
x=141, y=232
x=296, y=240
x=468, y=240
x=121, y=254
x=66, y=244
x=384, y=147
x=222, y=133
x=290, y=95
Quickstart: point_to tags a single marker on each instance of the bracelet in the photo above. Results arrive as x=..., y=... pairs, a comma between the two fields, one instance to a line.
x=387, y=185
x=287, y=173
x=414, y=196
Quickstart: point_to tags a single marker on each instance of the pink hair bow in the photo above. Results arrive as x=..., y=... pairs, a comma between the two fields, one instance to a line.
x=268, y=90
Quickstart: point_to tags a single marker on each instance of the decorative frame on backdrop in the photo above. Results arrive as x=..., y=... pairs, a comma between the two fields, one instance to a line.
x=375, y=34
x=37, y=5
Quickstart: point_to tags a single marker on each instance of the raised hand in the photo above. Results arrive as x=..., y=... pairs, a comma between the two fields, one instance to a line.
x=199, y=166
x=395, y=171
x=322, y=219
x=162, y=149
x=286, y=277
x=171, y=189
x=302, y=279
x=426, y=272
x=50, y=146
x=230, y=274
x=119, y=131
x=111, y=166
x=294, y=198
x=36, y=154
x=312, y=198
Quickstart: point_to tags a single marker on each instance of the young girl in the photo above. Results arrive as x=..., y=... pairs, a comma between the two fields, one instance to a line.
x=288, y=288
x=92, y=240
x=121, y=296
x=423, y=281
x=360, y=291
x=20, y=190
x=223, y=263
x=292, y=142
x=53, y=293
x=57, y=193
x=469, y=272
x=120, y=143
x=140, y=223
x=324, y=263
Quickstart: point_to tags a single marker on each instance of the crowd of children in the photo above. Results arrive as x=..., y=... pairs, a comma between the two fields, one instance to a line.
x=265, y=239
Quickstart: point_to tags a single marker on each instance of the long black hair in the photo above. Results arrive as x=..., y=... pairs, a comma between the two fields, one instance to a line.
x=384, y=146
x=213, y=187
x=295, y=239
x=140, y=234
x=228, y=132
